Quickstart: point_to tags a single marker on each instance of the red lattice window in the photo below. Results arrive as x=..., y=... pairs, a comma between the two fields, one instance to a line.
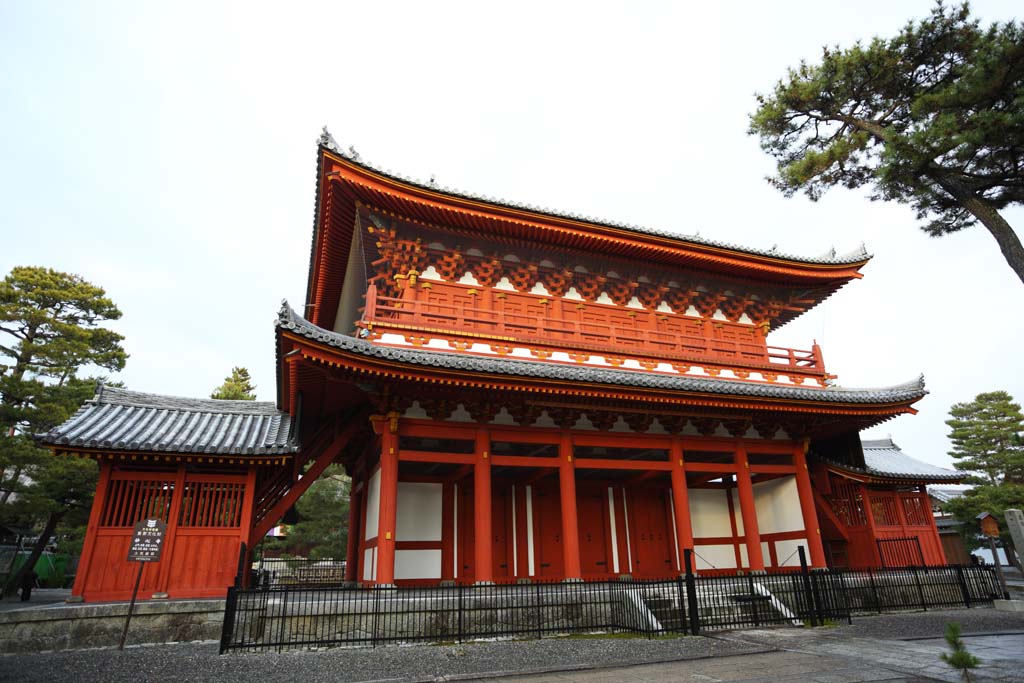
x=884, y=511
x=848, y=504
x=916, y=510
x=131, y=500
x=211, y=504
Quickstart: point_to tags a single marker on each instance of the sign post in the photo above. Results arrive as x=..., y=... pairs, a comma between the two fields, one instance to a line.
x=146, y=546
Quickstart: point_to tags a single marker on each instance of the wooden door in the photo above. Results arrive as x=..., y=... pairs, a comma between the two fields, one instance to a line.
x=547, y=532
x=592, y=516
x=501, y=532
x=650, y=533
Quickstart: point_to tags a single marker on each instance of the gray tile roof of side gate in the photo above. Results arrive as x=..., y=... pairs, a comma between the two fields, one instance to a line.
x=884, y=458
x=328, y=142
x=123, y=420
x=289, y=320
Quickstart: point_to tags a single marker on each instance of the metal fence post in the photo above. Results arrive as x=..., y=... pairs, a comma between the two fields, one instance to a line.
x=282, y=616
x=227, y=630
x=540, y=610
x=874, y=590
x=239, y=575
x=963, y=585
x=808, y=589
x=920, y=590
x=458, y=587
x=691, y=592
x=376, y=615
x=680, y=593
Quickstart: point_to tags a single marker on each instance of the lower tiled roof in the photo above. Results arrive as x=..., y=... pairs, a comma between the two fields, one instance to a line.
x=289, y=320
x=123, y=420
x=883, y=457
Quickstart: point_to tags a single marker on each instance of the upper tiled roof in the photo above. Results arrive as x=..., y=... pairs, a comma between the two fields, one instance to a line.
x=884, y=458
x=291, y=321
x=123, y=420
x=948, y=492
x=858, y=255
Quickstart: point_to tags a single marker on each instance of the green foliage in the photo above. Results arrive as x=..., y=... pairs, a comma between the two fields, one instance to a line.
x=50, y=328
x=322, y=530
x=995, y=499
x=986, y=436
x=958, y=657
x=932, y=117
x=236, y=387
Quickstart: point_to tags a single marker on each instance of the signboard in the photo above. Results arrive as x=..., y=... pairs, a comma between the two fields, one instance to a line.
x=989, y=525
x=147, y=541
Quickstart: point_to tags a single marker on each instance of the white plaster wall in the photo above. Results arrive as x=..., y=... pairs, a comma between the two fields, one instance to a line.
x=419, y=512
x=715, y=557
x=417, y=564
x=369, y=564
x=783, y=550
x=737, y=511
x=372, y=506
x=709, y=514
x=778, y=506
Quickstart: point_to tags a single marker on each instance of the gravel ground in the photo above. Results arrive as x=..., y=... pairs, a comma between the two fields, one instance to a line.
x=200, y=662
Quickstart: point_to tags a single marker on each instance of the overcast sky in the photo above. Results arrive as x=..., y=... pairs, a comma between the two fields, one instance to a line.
x=166, y=151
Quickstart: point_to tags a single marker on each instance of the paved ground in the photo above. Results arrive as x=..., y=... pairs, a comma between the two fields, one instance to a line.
x=41, y=597
x=887, y=648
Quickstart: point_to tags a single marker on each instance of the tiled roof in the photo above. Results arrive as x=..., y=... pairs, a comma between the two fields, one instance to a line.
x=123, y=420
x=948, y=492
x=858, y=255
x=292, y=322
x=884, y=458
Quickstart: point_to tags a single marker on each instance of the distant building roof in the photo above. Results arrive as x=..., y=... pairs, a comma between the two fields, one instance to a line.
x=948, y=492
x=884, y=458
x=123, y=420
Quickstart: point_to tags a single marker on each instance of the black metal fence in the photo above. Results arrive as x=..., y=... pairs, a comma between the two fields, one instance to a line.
x=900, y=552
x=298, y=571
x=282, y=616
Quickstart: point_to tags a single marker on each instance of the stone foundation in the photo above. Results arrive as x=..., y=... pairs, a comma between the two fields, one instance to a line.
x=70, y=627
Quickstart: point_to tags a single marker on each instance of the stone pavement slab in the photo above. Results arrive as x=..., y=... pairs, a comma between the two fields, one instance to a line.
x=781, y=667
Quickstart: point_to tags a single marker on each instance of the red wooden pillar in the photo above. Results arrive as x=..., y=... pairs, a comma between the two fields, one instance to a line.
x=869, y=516
x=680, y=499
x=449, y=534
x=570, y=525
x=98, y=503
x=388, y=515
x=755, y=560
x=484, y=569
x=246, y=521
x=926, y=502
x=810, y=515
x=352, y=547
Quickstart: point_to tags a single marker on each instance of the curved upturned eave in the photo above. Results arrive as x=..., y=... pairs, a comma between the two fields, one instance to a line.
x=543, y=376
x=596, y=236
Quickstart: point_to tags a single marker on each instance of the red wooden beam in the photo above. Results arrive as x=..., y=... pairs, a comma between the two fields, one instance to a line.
x=608, y=464
x=443, y=458
x=331, y=451
x=712, y=467
x=524, y=461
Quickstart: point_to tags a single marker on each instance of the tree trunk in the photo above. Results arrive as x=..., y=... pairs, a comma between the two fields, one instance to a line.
x=1008, y=241
x=37, y=551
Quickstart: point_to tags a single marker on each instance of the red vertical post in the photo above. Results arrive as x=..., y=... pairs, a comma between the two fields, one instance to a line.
x=352, y=547
x=99, y=501
x=171, y=537
x=246, y=518
x=680, y=499
x=388, y=516
x=484, y=570
x=570, y=525
x=755, y=560
x=869, y=516
x=448, y=531
x=926, y=503
x=810, y=515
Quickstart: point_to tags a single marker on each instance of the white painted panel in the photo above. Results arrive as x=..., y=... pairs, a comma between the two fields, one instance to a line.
x=743, y=555
x=455, y=531
x=737, y=511
x=615, y=533
x=715, y=557
x=787, y=553
x=778, y=506
x=368, y=564
x=419, y=512
x=417, y=564
x=515, y=536
x=766, y=553
x=709, y=513
x=372, y=506
x=625, y=519
x=675, y=529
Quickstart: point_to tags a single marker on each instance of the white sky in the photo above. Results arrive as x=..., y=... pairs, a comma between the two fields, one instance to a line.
x=167, y=153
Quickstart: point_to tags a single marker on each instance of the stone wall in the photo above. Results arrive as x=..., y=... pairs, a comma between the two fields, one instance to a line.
x=68, y=627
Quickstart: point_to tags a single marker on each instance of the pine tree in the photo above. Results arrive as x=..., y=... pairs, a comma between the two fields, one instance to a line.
x=930, y=117
x=51, y=325
x=237, y=386
x=986, y=436
x=958, y=657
